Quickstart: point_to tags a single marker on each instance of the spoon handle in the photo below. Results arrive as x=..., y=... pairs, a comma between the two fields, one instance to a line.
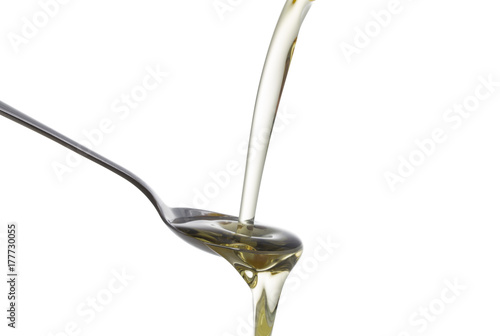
x=21, y=118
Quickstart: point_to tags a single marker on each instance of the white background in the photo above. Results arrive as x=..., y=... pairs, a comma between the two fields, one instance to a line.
x=324, y=178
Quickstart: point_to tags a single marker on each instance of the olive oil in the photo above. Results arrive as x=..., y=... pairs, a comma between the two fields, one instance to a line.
x=262, y=255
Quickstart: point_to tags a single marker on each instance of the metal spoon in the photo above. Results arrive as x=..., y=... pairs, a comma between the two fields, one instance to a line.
x=173, y=217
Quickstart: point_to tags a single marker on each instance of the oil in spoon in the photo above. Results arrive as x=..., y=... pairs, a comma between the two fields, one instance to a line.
x=263, y=259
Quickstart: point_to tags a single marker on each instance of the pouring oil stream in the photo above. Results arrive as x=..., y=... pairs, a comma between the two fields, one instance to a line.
x=279, y=57
x=262, y=255
x=266, y=285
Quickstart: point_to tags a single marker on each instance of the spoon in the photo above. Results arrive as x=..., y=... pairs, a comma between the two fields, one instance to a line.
x=174, y=218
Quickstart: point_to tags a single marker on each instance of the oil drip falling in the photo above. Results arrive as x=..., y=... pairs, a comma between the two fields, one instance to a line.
x=262, y=255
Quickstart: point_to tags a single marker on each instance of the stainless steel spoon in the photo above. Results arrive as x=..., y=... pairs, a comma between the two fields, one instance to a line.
x=173, y=217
